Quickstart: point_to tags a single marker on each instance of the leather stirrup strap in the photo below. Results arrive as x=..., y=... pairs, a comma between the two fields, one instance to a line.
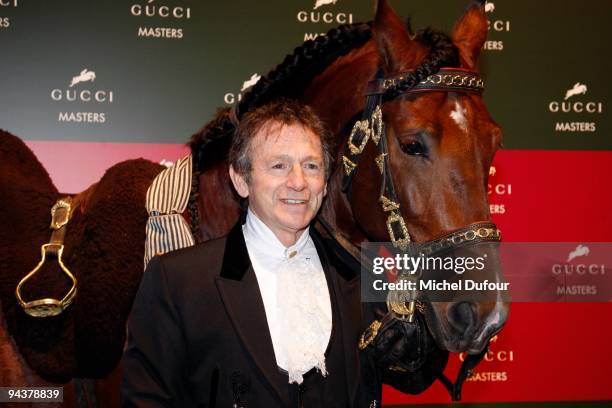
x=61, y=212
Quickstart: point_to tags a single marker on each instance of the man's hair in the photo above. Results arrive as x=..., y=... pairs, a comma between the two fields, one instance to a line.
x=284, y=112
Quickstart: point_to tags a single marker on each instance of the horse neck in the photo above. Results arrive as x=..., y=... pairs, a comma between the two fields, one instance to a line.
x=337, y=95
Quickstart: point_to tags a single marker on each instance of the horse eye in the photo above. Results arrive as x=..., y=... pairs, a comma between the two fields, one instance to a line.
x=414, y=149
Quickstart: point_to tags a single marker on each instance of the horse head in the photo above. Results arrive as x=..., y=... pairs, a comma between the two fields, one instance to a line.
x=440, y=143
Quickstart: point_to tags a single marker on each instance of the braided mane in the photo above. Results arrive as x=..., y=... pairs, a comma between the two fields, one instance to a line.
x=291, y=77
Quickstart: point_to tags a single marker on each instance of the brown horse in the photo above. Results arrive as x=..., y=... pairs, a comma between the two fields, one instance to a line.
x=440, y=145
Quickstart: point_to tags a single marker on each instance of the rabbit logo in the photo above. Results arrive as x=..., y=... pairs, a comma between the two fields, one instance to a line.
x=320, y=3
x=578, y=89
x=84, y=76
x=581, y=250
x=250, y=82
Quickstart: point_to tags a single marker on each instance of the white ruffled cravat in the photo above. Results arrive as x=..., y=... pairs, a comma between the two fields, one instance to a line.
x=295, y=295
x=303, y=321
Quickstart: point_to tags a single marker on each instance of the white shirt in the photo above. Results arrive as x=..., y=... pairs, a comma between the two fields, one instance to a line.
x=295, y=297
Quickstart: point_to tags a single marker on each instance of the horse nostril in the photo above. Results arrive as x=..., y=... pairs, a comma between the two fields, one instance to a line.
x=463, y=317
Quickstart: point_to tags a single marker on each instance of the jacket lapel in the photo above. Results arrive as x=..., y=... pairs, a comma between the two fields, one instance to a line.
x=239, y=290
x=343, y=274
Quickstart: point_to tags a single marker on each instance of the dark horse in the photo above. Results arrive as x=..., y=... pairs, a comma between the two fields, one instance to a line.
x=439, y=144
x=103, y=248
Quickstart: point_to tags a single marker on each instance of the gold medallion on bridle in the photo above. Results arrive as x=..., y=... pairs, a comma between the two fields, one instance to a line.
x=377, y=125
x=349, y=166
x=359, y=134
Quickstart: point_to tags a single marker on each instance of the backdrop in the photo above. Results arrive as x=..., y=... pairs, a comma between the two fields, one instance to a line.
x=89, y=83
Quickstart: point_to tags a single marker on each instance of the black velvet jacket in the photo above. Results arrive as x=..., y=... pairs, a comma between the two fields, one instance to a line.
x=198, y=334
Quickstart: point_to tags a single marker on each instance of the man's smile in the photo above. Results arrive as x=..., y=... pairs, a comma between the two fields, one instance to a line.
x=293, y=201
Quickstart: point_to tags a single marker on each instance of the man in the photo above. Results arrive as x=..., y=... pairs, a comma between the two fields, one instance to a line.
x=268, y=316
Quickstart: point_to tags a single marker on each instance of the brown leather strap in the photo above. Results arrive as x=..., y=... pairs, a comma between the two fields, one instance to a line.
x=60, y=215
x=446, y=79
x=62, y=212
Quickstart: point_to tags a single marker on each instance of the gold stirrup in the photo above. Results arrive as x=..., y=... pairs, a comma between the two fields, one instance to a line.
x=45, y=307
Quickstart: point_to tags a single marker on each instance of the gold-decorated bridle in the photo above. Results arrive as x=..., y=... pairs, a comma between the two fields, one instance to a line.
x=372, y=127
x=402, y=304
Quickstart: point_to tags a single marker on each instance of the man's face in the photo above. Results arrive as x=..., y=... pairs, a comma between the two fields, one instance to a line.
x=287, y=182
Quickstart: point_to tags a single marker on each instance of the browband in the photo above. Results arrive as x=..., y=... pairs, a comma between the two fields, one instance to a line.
x=446, y=79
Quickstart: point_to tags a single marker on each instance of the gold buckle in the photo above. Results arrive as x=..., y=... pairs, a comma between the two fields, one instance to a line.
x=402, y=311
x=401, y=242
x=368, y=336
x=376, y=125
x=361, y=127
x=397, y=367
x=46, y=307
x=349, y=166
x=57, y=207
x=380, y=162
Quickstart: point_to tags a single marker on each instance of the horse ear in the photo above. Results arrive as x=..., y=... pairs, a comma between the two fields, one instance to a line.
x=470, y=33
x=396, y=48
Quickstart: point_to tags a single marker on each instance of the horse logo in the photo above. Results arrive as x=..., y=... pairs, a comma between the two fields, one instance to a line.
x=84, y=76
x=320, y=3
x=581, y=250
x=578, y=89
x=250, y=82
x=489, y=7
x=492, y=171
